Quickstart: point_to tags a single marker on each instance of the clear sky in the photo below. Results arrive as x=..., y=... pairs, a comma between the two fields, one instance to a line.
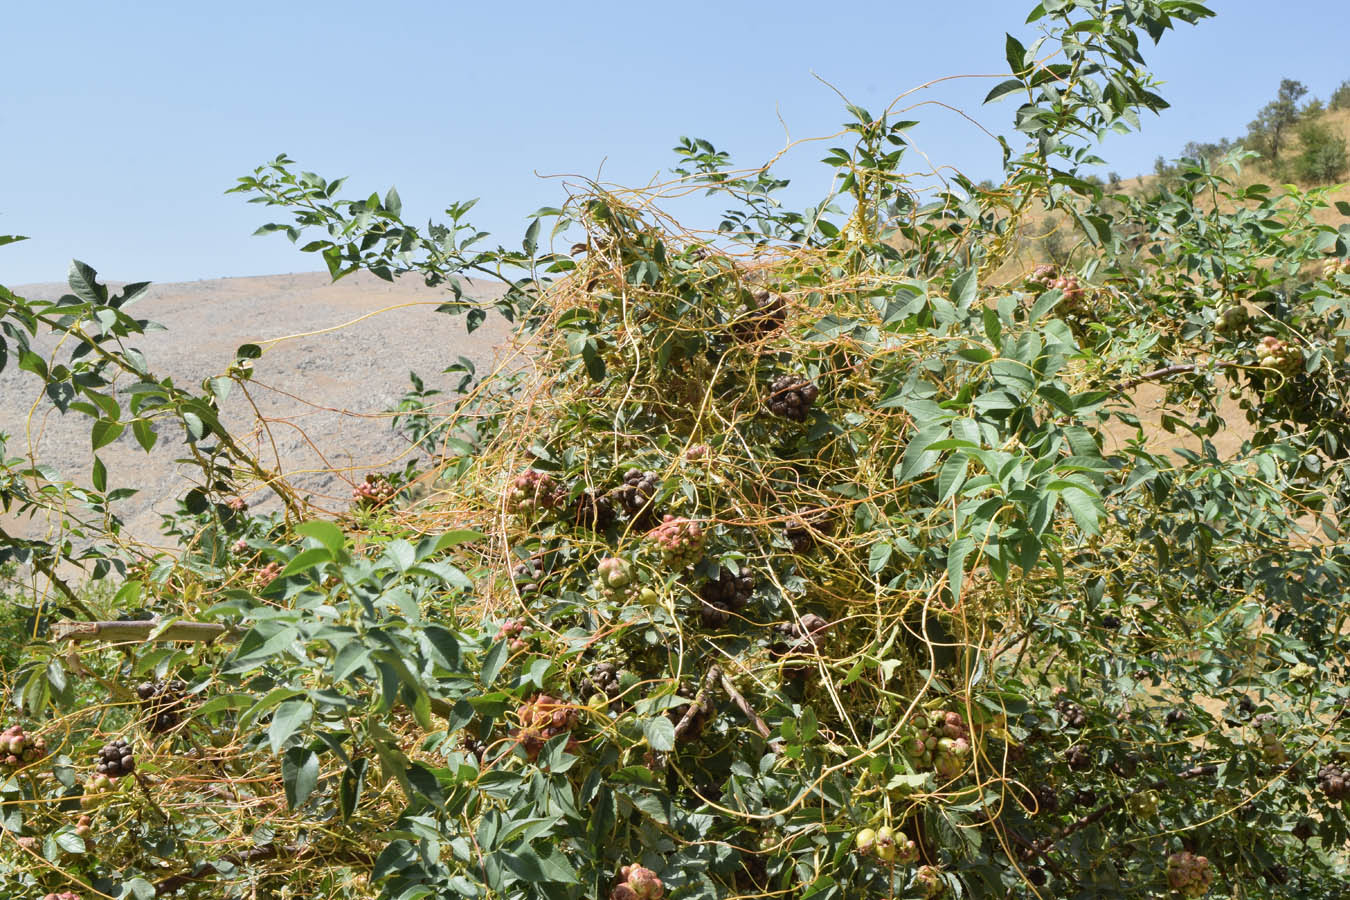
x=123, y=123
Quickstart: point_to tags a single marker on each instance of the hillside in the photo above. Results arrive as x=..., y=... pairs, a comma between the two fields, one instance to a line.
x=341, y=357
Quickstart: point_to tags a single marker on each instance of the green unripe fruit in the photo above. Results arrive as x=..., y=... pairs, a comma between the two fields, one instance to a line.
x=865, y=840
x=885, y=844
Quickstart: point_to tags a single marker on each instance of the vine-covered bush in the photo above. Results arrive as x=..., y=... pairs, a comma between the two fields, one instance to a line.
x=819, y=556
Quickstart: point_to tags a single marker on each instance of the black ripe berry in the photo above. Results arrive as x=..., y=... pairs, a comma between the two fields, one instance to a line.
x=115, y=759
x=162, y=703
x=763, y=315
x=638, y=490
x=1334, y=781
x=1072, y=714
x=791, y=397
x=593, y=511
x=724, y=595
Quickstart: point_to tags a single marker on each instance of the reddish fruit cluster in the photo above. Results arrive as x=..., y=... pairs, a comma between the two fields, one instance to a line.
x=1334, y=781
x=115, y=759
x=239, y=546
x=18, y=748
x=511, y=630
x=887, y=845
x=929, y=881
x=1189, y=874
x=1042, y=275
x=637, y=491
x=1268, y=741
x=1280, y=355
x=238, y=504
x=162, y=702
x=942, y=740
x=1071, y=714
x=267, y=574
x=83, y=826
x=697, y=453
x=375, y=491
x=1069, y=284
x=542, y=718
x=64, y=895
x=531, y=491
x=638, y=883
x=723, y=595
x=791, y=397
x=681, y=540
x=764, y=315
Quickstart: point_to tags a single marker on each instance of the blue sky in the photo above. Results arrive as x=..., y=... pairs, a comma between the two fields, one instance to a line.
x=124, y=123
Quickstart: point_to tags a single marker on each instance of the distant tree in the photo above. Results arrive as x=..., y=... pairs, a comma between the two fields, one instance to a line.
x=1269, y=131
x=1312, y=109
x=1114, y=179
x=1322, y=156
x=1340, y=98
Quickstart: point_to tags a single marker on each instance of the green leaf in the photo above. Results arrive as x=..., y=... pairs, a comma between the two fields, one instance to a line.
x=104, y=433
x=289, y=718
x=350, y=787
x=99, y=478
x=1016, y=55
x=299, y=775
x=660, y=733
x=956, y=564
x=145, y=434
x=307, y=559
x=326, y=533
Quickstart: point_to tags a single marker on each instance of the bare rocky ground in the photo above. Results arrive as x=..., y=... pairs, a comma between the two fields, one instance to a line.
x=340, y=358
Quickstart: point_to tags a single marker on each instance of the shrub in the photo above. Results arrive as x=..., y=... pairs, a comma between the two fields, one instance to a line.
x=1322, y=157
x=964, y=645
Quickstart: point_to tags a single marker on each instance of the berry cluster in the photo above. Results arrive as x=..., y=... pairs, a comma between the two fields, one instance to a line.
x=115, y=759
x=531, y=491
x=887, y=845
x=1078, y=758
x=680, y=539
x=1268, y=741
x=1071, y=713
x=722, y=596
x=1230, y=320
x=941, y=740
x=1280, y=355
x=698, y=453
x=1049, y=278
x=764, y=315
x=1334, y=781
x=791, y=397
x=375, y=491
x=162, y=703
x=84, y=826
x=1142, y=805
x=1189, y=874
x=526, y=575
x=237, y=504
x=511, y=630
x=638, y=490
x=1333, y=267
x=615, y=580
x=804, y=635
x=267, y=574
x=804, y=529
x=603, y=678
x=593, y=511
x=64, y=895
x=542, y=718
x=18, y=748
x=929, y=881
x=637, y=883
x=98, y=786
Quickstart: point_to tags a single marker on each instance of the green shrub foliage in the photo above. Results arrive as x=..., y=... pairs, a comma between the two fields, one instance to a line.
x=831, y=553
